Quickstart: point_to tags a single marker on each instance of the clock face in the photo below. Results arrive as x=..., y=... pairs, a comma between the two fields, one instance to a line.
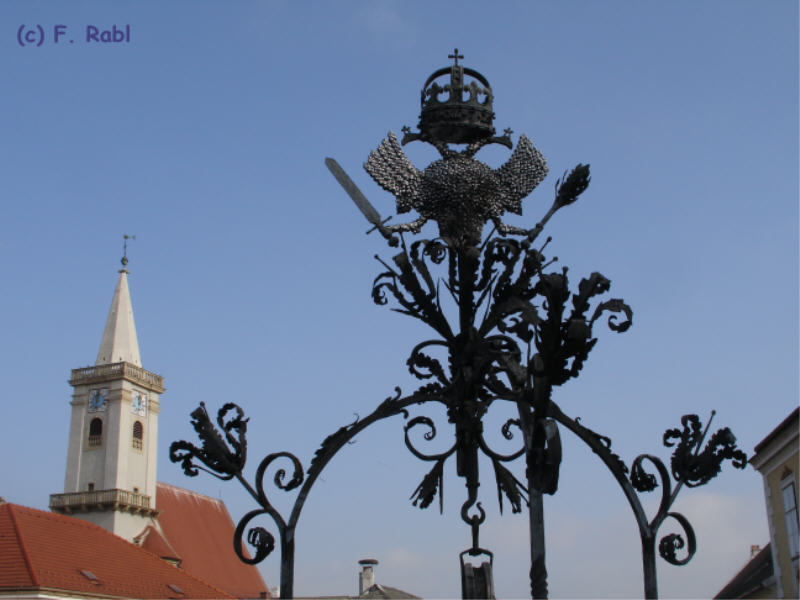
x=98, y=400
x=139, y=403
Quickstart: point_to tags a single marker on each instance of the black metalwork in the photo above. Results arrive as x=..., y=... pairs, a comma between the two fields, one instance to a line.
x=508, y=329
x=124, y=259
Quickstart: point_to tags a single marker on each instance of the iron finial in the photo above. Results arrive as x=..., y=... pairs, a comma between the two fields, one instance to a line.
x=455, y=56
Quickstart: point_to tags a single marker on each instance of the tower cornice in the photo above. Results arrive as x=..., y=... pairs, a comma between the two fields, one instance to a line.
x=103, y=500
x=115, y=371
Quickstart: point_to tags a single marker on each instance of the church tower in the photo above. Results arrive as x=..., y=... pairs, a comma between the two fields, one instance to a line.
x=113, y=435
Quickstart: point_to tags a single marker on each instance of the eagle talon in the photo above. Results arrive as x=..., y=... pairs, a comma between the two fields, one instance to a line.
x=505, y=230
x=413, y=226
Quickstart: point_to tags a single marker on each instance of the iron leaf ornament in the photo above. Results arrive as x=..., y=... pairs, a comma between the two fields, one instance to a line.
x=223, y=453
x=695, y=468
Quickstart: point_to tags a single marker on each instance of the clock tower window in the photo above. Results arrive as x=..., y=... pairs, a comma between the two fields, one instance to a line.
x=138, y=435
x=95, y=433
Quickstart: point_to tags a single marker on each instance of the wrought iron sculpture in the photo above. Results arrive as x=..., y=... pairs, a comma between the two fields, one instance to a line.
x=517, y=330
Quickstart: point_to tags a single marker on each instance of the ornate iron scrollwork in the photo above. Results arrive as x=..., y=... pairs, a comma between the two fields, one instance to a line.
x=224, y=454
x=642, y=480
x=508, y=328
x=690, y=467
x=671, y=543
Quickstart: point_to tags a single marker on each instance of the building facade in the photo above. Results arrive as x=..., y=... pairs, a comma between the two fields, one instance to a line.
x=772, y=571
x=777, y=458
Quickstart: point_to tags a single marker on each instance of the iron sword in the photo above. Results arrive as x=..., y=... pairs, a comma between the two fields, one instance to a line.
x=364, y=205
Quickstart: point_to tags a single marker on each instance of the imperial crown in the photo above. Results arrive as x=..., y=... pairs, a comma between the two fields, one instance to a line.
x=457, y=112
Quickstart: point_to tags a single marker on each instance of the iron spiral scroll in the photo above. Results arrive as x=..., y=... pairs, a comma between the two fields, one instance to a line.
x=508, y=329
x=521, y=339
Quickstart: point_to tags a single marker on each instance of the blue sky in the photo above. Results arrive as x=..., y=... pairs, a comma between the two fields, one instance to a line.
x=205, y=137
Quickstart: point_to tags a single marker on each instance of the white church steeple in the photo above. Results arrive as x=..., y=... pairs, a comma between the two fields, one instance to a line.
x=113, y=438
x=119, y=342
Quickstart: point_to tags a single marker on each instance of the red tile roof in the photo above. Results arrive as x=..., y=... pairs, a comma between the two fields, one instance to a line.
x=200, y=530
x=152, y=540
x=46, y=551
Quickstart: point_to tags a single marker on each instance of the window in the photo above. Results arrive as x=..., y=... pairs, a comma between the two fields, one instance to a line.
x=789, y=494
x=91, y=486
x=90, y=576
x=138, y=435
x=95, y=433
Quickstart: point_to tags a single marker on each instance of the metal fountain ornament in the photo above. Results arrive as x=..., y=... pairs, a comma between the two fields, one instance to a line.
x=508, y=329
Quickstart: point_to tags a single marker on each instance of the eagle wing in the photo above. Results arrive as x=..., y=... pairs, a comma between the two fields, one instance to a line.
x=521, y=174
x=390, y=168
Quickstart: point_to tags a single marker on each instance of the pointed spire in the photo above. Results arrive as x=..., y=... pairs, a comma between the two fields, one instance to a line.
x=119, y=338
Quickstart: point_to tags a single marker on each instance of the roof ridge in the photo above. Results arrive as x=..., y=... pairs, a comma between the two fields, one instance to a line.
x=21, y=542
x=189, y=492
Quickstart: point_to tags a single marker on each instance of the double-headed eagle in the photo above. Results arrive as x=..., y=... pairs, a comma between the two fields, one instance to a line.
x=458, y=192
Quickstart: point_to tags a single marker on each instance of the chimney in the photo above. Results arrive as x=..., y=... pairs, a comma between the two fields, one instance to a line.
x=366, y=578
x=754, y=549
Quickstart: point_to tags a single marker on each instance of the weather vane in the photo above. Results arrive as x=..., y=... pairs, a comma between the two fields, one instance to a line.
x=124, y=260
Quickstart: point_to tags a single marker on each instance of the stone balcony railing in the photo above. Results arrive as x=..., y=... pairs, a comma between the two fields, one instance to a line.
x=100, y=373
x=100, y=500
